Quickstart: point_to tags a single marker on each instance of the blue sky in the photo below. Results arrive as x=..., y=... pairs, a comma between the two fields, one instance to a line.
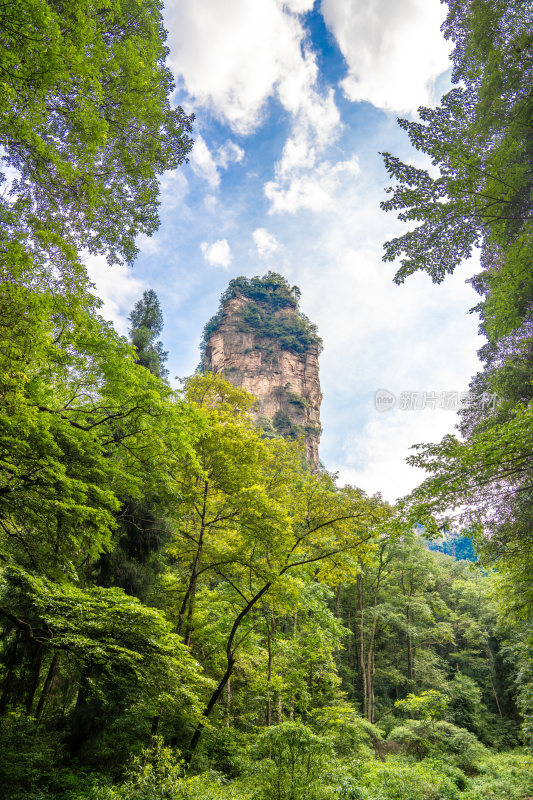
x=293, y=102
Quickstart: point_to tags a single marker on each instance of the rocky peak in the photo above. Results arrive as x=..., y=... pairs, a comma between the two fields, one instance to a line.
x=261, y=341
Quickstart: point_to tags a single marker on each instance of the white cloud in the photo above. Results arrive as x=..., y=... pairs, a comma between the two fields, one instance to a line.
x=233, y=56
x=173, y=187
x=415, y=337
x=374, y=458
x=299, y=6
x=150, y=245
x=217, y=254
x=117, y=287
x=394, y=50
x=314, y=190
x=230, y=152
x=210, y=203
x=203, y=163
x=265, y=242
x=10, y=174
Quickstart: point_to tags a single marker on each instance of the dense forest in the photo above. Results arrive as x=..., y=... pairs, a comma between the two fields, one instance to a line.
x=186, y=610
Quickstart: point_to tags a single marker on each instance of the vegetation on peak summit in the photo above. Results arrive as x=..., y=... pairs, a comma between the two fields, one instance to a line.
x=271, y=311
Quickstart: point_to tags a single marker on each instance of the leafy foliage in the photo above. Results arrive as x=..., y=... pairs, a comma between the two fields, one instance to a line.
x=440, y=740
x=146, y=324
x=186, y=611
x=291, y=331
x=295, y=760
x=86, y=121
x=479, y=139
x=272, y=290
x=430, y=705
x=505, y=775
x=399, y=779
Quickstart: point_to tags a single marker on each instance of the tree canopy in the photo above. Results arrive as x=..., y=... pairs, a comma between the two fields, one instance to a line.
x=146, y=324
x=479, y=141
x=86, y=123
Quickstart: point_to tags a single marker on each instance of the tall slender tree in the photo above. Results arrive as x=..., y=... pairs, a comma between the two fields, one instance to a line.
x=146, y=325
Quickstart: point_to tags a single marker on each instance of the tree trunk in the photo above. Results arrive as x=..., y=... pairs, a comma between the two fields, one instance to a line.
x=155, y=725
x=269, y=679
x=208, y=709
x=35, y=672
x=490, y=659
x=81, y=717
x=9, y=678
x=410, y=659
x=371, y=691
x=187, y=606
x=228, y=703
x=50, y=675
x=362, y=658
x=230, y=656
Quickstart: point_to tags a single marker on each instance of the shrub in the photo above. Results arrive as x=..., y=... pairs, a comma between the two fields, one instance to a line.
x=31, y=765
x=298, y=400
x=400, y=779
x=159, y=775
x=465, y=703
x=293, y=763
x=291, y=329
x=430, y=705
x=502, y=776
x=352, y=736
x=421, y=739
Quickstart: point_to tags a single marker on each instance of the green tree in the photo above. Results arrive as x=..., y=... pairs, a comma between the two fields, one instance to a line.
x=287, y=670
x=399, y=622
x=146, y=325
x=430, y=705
x=78, y=421
x=296, y=763
x=479, y=139
x=142, y=527
x=81, y=427
x=85, y=120
x=86, y=127
x=251, y=517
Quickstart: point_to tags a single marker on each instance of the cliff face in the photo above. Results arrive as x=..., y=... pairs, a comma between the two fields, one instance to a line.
x=285, y=382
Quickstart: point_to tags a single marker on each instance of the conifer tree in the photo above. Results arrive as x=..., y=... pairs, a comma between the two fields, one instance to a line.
x=146, y=324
